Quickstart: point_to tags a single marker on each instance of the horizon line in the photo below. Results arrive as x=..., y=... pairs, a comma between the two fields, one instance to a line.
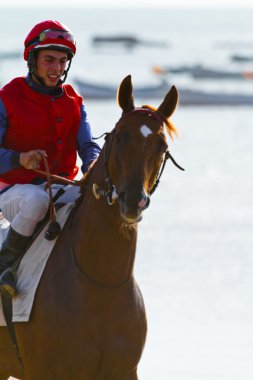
x=131, y=6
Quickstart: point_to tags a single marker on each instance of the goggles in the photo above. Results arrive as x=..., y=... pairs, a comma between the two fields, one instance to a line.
x=56, y=34
x=53, y=34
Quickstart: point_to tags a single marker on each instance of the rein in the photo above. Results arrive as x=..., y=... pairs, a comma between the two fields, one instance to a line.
x=54, y=227
x=167, y=156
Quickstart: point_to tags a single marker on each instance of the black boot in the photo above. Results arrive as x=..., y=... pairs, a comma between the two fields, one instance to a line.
x=13, y=247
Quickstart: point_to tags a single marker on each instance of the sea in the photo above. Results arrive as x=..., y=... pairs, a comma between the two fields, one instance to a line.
x=194, y=260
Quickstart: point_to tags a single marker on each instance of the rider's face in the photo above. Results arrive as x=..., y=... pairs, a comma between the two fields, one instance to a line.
x=51, y=65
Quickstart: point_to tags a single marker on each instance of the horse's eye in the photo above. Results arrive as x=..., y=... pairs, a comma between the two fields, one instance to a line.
x=121, y=138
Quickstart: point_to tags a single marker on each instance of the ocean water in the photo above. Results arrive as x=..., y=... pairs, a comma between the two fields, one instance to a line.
x=194, y=259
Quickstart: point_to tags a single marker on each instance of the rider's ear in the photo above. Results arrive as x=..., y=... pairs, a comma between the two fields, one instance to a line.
x=125, y=95
x=169, y=104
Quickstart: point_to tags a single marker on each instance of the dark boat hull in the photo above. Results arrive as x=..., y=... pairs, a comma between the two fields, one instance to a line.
x=187, y=97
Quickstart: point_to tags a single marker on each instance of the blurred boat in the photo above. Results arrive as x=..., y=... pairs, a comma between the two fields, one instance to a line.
x=127, y=41
x=241, y=58
x=201, y=72
x=94, y=91
x=187, y=97
x=6, y=55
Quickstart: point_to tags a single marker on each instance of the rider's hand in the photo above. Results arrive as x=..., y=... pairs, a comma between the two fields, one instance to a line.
x=31, y=159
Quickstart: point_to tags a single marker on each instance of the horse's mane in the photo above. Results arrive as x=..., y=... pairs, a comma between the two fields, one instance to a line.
x=171, y=129
x=85, y=176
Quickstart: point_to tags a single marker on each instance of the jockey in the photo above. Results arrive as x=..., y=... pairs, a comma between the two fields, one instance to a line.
x=39, y=116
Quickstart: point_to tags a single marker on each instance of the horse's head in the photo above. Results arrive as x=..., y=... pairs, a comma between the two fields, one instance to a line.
x=136, y=149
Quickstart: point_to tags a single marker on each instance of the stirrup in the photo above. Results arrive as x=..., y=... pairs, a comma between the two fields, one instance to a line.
x=8, y=286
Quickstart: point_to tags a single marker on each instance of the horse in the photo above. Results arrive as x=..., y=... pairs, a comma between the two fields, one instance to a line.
x=88, y=319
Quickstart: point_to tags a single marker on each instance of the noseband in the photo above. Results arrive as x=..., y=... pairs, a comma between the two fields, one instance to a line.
x=111, y=192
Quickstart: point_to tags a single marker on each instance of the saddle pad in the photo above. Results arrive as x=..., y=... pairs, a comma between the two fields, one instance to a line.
x=4, y=225
x=30, y=271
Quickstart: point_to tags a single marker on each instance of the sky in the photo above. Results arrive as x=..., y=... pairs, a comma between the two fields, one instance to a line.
x=127, y=3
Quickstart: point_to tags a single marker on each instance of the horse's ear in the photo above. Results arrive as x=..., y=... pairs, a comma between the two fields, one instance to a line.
x=125, y=95
x=169, y=104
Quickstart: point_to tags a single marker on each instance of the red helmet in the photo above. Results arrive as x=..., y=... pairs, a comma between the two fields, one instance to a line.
x=50, y=34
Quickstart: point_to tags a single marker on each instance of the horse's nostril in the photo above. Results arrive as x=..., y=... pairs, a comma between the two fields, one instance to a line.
x=133, y=202
x=148, y=202
x=144, y=202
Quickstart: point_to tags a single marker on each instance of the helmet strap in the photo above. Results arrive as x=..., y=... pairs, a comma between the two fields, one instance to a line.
x=32, y=66
x=65, y=74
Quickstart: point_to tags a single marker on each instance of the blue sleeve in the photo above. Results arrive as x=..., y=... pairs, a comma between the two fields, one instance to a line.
x=88, y=150
x=9, y=159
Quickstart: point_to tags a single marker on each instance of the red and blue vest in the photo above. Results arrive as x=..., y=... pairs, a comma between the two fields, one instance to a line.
x=38, y=121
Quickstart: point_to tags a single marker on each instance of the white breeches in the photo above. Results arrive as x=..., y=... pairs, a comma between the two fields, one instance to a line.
x=24, y=206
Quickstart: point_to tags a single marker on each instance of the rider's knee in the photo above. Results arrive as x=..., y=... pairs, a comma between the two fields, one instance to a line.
x=36, y=205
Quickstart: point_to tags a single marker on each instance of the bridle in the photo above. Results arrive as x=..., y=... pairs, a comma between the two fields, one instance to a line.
x=111, y=192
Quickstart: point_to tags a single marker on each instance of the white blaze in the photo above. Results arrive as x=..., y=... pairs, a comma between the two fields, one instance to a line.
x=145, y=131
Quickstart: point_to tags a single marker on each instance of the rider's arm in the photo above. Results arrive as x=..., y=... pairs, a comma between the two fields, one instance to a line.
x=9, y=159
x=88, y=150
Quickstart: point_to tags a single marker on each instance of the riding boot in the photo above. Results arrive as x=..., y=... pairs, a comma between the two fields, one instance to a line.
x=13, y=247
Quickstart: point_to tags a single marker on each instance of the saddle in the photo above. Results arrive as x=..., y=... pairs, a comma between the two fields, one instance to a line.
x=65, y=200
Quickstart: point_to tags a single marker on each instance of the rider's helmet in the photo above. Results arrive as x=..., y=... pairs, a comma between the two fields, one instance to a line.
x=48, y=35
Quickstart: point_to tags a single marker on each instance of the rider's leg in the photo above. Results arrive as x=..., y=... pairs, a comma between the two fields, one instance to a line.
x=23, y=206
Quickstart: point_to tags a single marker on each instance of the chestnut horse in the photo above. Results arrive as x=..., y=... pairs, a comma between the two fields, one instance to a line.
x=88, y=321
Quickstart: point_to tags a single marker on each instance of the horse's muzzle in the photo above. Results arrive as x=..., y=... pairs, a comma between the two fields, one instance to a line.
x=131, y=205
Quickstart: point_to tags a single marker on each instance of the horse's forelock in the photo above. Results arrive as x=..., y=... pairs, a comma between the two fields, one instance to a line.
x=171, y=129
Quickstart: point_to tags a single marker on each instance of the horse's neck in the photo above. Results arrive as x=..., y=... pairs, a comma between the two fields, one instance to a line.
x=104, y=249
